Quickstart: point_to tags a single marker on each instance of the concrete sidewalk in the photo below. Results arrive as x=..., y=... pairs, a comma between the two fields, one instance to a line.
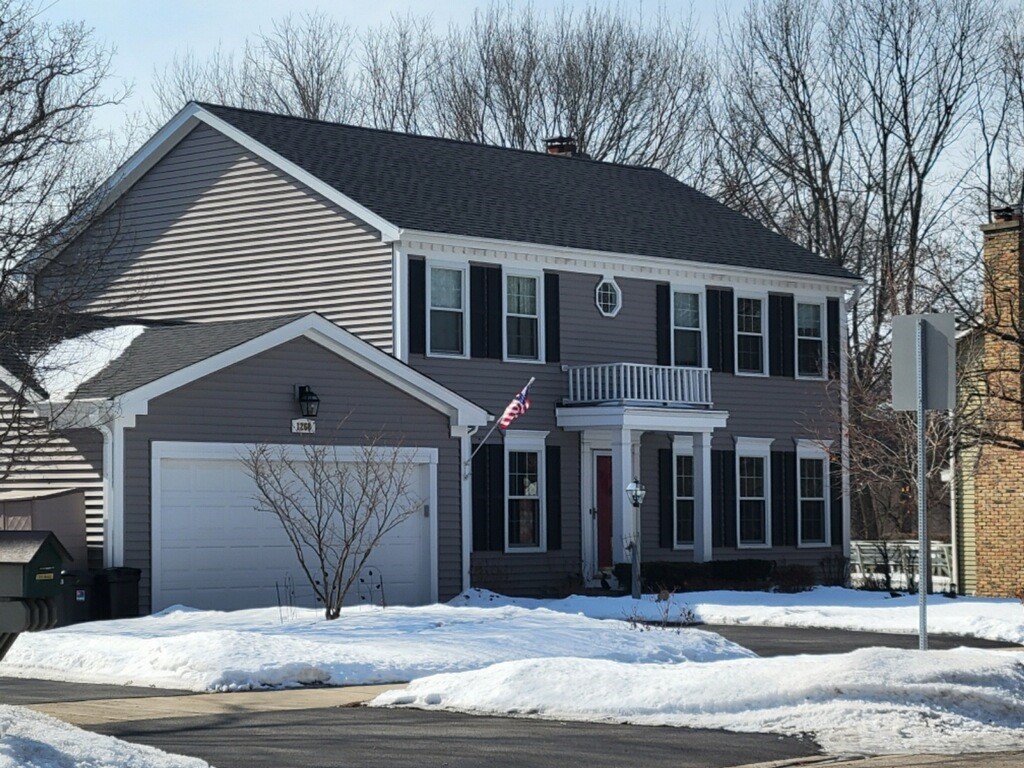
x=104, y=711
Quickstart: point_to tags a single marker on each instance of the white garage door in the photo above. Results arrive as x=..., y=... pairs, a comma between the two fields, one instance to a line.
x=212, y=549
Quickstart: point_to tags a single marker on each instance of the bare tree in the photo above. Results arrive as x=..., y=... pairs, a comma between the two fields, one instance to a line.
x=53, y=79
x=335, y=510
x=300, y=66
x=396, y=73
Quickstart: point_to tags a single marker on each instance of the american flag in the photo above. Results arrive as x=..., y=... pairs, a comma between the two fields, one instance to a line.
x=520, y=404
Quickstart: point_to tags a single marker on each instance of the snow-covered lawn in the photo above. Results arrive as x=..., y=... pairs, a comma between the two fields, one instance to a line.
x=31, y=740
x=827, y=607
x=871, y=701
x=211, y=650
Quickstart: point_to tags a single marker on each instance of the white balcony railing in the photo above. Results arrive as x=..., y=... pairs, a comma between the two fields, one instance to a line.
x=639, y=383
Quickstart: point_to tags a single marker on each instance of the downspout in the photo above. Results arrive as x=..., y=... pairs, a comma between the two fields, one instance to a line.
x=108, y=459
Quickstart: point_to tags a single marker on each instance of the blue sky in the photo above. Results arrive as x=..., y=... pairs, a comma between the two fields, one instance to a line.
x=147, y=33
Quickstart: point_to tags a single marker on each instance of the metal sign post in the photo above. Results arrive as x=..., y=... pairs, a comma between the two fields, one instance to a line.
x=927, y=385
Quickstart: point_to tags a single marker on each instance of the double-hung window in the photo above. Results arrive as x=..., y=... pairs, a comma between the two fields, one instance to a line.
x=522, y=317
x=813, y=518
x=687, y=330
x=751, y=339
x=685, y=501
x=524, y=501
x=810, y=340
x=753, y=492
x=447, y=318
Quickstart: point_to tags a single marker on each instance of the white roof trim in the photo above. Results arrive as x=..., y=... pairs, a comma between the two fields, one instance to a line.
x=31, y=393
x=605, y=261
x=460, y=411
x=639, y=418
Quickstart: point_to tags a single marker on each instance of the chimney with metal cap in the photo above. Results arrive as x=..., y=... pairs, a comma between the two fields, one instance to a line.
x=563, y=146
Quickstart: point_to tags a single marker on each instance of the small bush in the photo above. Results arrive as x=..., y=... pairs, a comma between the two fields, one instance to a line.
x=793, y=578
x=743, y=575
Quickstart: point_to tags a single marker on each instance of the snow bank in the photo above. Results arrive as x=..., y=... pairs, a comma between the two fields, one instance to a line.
x=211, y=650
x=827, y=607
x=28, y=738
x=72, y=362
x=871, y=701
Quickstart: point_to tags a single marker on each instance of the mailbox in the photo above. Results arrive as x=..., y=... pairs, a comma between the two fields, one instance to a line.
x=30, y=567
x=30, y=564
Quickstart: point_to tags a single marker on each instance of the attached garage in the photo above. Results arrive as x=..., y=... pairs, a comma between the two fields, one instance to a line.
x=184, y=404
x=213, y=549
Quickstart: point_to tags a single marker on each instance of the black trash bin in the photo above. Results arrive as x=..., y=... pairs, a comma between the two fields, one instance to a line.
x=79, y=600
x=119, y=592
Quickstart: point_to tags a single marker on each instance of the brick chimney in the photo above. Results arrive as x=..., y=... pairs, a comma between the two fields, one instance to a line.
x=563, y=146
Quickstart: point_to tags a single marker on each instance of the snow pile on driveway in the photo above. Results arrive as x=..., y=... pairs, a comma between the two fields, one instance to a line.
x=871, y=701
x=28, y=738
x=825, y=607
x=212, y=650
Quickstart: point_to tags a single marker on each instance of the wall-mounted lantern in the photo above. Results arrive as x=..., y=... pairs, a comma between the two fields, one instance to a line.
x=309, y=403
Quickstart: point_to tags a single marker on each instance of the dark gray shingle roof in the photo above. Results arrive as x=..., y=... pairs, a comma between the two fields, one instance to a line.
x=459, y=188
x=157, y=352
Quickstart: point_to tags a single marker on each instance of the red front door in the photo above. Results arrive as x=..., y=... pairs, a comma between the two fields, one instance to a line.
x=603, y=492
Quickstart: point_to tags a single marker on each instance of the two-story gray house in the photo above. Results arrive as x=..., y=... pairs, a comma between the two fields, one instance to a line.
x=416, y=284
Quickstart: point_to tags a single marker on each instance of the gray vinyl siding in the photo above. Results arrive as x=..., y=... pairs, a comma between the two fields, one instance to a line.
x=212, y=232
x=252, y=401
x=48, y=461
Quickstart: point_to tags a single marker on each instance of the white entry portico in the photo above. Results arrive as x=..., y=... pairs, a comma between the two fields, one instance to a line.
x=617, y=428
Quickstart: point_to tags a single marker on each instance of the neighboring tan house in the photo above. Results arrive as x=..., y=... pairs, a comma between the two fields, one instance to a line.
x=416, y=284
x=988, y=488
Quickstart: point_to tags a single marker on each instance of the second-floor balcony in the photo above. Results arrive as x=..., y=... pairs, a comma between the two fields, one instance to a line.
x=639, y=384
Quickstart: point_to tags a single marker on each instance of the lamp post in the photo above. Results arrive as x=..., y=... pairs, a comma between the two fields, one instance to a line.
x=636, y=492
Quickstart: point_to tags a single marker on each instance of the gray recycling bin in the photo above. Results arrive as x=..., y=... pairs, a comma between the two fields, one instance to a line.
x=118, y=590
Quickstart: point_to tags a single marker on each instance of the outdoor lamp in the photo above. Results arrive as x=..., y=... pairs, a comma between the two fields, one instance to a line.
x=309, y=403
x=636, y=492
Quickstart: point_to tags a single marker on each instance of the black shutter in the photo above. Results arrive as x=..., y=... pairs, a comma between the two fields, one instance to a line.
x=666, y=498
x=832, y=313
x=478, y=311
x=553, y=488
x=489, y=499
x=495, y=319
x=723, y=498
x=837, y=501
x=417, y=304
x=781, y=335
x=721, y=356
x=485, y=311
x=663, y=317
x=552, y=324
x=784, y=499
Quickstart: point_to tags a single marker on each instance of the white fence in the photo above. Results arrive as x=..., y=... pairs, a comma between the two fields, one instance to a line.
x=636, y=382
x=893, y=565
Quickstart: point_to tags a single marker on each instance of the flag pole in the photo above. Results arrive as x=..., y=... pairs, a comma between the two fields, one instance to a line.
x=491, y=432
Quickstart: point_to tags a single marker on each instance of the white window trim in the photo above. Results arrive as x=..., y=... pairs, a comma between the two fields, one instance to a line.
x=814, y=449
x=755, y=447
x=701, y=292
x=605, y=279
x=541, y=351
x=820, y=302
x=463, y=268
x=763, y=298
x=682, y=445
x=522, y=440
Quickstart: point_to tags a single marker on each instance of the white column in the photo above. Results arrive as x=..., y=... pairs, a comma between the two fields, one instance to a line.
x=702, y=481
x=622, y=510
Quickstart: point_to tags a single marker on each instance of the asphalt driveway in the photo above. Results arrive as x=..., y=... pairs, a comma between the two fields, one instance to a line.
x=382, y=738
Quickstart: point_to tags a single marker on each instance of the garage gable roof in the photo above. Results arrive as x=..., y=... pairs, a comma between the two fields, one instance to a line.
x=162, y=359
